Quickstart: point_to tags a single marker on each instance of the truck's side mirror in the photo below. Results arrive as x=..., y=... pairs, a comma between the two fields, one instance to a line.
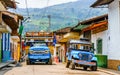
x=67, y=54
x=92, y=49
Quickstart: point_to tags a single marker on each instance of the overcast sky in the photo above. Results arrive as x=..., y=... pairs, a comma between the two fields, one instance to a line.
x=40, y=3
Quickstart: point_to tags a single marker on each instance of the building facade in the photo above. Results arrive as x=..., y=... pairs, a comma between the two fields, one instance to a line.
x=113, y=31
x=9, y=23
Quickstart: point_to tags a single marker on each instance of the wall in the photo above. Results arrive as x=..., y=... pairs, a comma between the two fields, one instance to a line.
x=14, y=49
x=114, y=30
x=114, y=34
x=6, y=47
x=102, y=35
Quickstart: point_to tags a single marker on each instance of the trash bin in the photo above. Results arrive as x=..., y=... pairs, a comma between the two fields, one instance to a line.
x=102, y=61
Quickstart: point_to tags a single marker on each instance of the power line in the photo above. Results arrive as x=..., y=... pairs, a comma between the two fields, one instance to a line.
x=45, y=9
x=89, y=12
x=27, y=8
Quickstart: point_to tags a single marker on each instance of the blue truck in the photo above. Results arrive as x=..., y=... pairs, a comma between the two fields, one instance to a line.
x=80, y=54
x=39, y=54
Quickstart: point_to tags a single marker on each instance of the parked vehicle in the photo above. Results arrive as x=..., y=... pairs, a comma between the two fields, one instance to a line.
x=79, y=54
x=39, y=54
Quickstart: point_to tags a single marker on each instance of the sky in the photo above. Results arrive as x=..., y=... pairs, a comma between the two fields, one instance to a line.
x=40, y=3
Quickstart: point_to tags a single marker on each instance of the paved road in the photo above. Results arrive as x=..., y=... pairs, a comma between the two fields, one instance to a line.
x=58, y=69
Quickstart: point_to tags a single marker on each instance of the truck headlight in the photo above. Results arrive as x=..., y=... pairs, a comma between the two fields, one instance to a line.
x=90, y=56
x=46, y=51
x=31, y=51
x=80, y=55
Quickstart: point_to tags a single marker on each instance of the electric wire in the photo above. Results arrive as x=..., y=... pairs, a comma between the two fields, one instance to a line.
x=26, y=3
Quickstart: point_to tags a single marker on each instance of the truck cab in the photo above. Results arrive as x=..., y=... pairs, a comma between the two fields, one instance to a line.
x=79, y=54
x=39, y=54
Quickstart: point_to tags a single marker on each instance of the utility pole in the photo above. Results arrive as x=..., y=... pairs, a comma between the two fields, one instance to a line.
x=49, y=17
x=20, y=32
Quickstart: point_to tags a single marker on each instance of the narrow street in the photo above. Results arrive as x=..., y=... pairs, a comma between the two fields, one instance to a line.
x=42, y=69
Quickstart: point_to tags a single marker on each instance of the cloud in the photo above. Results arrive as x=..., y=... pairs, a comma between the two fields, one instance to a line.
x=41, y=3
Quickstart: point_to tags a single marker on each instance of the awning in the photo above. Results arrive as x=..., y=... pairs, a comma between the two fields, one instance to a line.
x=95, y=25
x=9, y=3
x=68, y=36
x=5, y=28
x=12, y=20
x=80, y=27
x=2, y=8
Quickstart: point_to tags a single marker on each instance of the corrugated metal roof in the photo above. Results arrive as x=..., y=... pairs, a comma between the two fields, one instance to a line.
x=90, y=21
x=80, y=27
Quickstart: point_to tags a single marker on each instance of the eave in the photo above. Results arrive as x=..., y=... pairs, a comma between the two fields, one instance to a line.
x=12, y=20
x=101, y=2
x=9, y=3
x=91, y=21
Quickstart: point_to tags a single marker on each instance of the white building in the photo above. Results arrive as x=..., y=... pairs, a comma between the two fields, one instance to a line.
x=113, y=30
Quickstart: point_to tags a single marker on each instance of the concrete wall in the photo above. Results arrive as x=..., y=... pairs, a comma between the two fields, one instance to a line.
x=101, y=35
x=114, y=35
x=114, y=30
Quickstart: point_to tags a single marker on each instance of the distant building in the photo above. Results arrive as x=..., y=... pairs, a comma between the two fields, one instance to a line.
x=63, y=35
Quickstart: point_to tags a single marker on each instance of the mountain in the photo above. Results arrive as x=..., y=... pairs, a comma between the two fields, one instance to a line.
x=62, y=15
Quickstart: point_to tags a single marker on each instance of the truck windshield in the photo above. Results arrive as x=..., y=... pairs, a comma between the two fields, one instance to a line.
x=80, y=47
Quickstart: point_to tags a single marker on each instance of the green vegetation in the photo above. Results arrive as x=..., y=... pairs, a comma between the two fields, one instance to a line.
x=63, y=15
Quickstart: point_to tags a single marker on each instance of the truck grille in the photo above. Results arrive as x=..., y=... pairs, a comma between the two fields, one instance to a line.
x=85, y=57
x=39, y=52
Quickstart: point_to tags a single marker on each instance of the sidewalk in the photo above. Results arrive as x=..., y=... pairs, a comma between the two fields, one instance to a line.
x=109, y=71
x=6, y=64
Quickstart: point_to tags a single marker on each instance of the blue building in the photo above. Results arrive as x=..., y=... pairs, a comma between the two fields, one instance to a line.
x=6, y=52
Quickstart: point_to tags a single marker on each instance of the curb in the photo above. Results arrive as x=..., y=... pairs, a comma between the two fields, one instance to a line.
x=2, y=65
x=108, y=72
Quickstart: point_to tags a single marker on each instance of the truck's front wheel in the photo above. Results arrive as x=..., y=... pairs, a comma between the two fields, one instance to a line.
x=68, y=64
x=94, y=68
x=50, y=62
x=72, y=65
x=28, y=62
x=85, y=67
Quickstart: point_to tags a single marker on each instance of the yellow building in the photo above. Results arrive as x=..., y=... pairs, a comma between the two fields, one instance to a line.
x=63, y=35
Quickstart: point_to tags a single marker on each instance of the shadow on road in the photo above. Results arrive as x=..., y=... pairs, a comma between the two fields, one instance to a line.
x=41, y=64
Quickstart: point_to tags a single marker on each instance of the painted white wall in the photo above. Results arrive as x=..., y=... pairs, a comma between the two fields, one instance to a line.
x=104, y=36
x=114, y=30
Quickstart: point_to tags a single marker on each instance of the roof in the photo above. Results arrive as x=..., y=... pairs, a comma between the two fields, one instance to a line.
x=63, y=30
x=101, y=2
x=12, y=20
x=9, y=3
x=94, y=19
x=87, y=22
x=80, y=27
x=96, y=25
